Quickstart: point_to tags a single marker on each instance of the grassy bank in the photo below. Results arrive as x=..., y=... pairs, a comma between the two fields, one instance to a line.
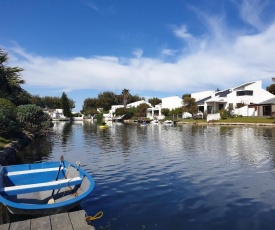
x=255, y=120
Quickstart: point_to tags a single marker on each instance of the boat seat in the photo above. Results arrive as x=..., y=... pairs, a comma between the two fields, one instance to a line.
x=16, y=173
x=29, y=188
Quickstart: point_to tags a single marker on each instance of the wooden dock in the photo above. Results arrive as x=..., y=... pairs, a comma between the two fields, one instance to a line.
x=70, y=220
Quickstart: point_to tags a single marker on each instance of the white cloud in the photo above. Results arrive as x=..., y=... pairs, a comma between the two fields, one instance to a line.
x=251, y=10
x=169, y=52
x=138, y=53
x=221, y=58
x=181, y=32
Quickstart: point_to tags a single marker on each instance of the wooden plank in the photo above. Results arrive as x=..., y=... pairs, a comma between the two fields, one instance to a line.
x=21, y=225
x=4, y=226
x=41, y=223
x=61, y=221
x=78, y=220
x=27, y=188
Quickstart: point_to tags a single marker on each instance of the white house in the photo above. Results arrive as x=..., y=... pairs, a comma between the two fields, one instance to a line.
x=167, y=103
x=55, y=114
x=171, y=102
x=137, y=103
x=245, y=94
x=112, y=111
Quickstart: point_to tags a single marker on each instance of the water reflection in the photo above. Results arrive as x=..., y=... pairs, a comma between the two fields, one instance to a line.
x=176, y=177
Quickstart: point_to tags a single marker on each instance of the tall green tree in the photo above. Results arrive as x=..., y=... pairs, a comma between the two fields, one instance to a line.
x=10, y=82
x=189, y=105
x=126, y=94
x=271, y=88
x=65, y=105
x=141, y=110
x=154, y=101
x=89, y=106
x=106, y=100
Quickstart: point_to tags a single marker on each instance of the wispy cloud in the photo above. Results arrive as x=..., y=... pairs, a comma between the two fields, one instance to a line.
x=181, y=32
x=251, y=12
x=169, y=52
x=93, y=6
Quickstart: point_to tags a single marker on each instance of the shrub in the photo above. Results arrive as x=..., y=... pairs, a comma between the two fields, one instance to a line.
x=9, y=126
x=224, y=114
x=99, y=118
x=33, y=119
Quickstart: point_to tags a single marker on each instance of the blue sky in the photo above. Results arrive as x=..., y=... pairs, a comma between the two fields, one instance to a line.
x=154, y=48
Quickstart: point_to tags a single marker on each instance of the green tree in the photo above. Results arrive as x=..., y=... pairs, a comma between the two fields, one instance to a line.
x=165, y=112
x=10, y=81
x=89, y=106
x=33, y=119
x=65, y=105
x=106, y=100
x=186, y=95
x=135, y=98
x=125, y=111
x=176, y=112
x=9, y=126
x=126, y=94
x=189, y=105
x=154, y=101
x=271, y=88
x=141, y=110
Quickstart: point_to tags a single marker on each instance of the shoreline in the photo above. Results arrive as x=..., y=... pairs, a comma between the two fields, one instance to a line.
x=229, y=123
x=9, y=154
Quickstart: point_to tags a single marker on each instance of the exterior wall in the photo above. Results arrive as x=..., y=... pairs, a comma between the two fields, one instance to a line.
x=245, y=111
x=258, y=96
x=167, y=103
x=114, y=107
x=260, y=110
x=233, y=98
x=171, y=102
x=213, y=117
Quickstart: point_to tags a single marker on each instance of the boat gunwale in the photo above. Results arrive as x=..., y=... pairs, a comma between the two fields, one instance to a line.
x=54, y=205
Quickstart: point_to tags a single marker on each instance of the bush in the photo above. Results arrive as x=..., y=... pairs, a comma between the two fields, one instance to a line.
x=33, y=119
x=9, y=126
x=99, y=118
x=224, y=114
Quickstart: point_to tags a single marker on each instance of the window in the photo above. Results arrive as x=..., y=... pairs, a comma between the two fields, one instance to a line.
x=245, y=93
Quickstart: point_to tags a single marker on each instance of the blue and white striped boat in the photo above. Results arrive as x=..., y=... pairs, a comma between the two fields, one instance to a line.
x=43, y=188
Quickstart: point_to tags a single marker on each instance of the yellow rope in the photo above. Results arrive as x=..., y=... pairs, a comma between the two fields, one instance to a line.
x=95, y=217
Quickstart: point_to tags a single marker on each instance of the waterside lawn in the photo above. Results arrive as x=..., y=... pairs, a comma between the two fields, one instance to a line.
x=256, y=120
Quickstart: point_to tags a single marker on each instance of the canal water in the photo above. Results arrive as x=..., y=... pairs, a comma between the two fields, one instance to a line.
x=170, y=177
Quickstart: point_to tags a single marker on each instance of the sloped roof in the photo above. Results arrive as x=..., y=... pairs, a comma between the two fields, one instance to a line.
x=269, y=101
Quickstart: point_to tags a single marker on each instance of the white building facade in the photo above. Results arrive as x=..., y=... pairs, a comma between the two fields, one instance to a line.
x=166, y=103
x=245, y=94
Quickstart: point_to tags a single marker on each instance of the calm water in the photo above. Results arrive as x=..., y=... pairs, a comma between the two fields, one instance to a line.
x=163, y=177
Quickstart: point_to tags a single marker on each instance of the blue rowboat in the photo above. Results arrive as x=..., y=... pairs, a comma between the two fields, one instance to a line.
x=43, y=188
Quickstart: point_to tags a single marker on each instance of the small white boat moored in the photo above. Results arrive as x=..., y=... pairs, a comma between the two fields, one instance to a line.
x=168, y=122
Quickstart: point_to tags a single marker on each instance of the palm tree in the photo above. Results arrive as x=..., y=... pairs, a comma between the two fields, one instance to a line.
x=10, y=80
x=126, y=94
